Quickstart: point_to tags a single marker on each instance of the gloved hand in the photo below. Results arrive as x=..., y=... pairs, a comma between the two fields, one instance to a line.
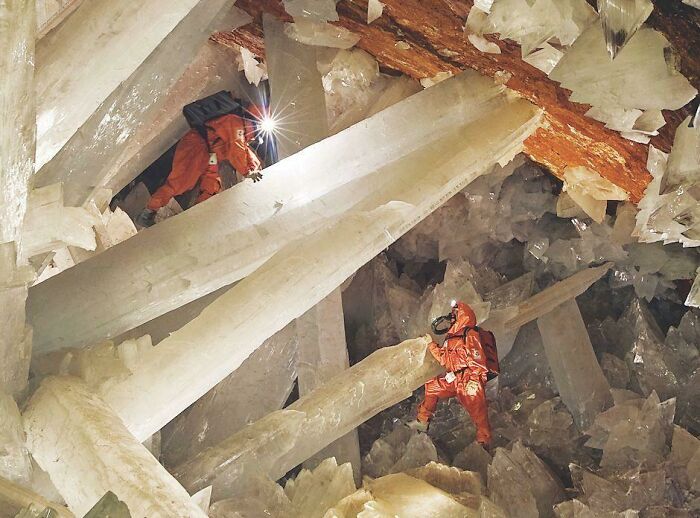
x=146, y=218
x=256, y=176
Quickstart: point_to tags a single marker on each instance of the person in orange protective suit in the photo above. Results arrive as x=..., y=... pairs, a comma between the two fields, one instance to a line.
x=196, y=162
x=462, y=355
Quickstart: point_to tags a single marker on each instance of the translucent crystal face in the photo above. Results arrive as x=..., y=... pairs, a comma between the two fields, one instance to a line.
x=621, y=19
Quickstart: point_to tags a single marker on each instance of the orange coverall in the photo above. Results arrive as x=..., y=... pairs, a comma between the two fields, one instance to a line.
x=466, y=359
x=228, y=137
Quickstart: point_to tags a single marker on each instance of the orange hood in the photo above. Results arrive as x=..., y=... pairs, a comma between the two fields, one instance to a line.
x=464, y=317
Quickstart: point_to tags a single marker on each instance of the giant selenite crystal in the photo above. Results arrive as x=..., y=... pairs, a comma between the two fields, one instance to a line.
x=82, y=62
x=17, y=143
x=16, y=338
x=307, y=270
x=87, y=451
x=579, y=378
x=297, y=197
x=146, y=107
x=286, y=438
x=17, y=119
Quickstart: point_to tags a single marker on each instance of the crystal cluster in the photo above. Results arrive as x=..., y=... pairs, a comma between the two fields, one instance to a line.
x=531, y=24
x=355, y=89
x=567, y=42
x=613, y=88
x=669, y=211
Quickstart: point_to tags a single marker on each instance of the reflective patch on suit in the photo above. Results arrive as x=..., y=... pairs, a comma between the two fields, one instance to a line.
x=472, y=388
x=213, y=160
x=240, y=134
x=476, y=354
x=450, y=377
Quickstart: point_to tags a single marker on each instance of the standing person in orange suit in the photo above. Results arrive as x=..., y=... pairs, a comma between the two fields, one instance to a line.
x=197, y=159
x=464, y=357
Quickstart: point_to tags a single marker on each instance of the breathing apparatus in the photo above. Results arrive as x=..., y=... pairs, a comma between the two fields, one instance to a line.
x=442, y=324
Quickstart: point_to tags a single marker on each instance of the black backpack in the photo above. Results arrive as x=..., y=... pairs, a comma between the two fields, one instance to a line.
x=200, y=112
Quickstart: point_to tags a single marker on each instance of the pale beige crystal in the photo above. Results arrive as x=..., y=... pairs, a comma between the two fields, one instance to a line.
x=284, y=439
x=133, y=127
x=109, y=40
x=71, y=433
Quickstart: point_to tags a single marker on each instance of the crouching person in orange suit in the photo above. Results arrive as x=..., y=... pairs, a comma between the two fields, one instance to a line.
x=462, y=356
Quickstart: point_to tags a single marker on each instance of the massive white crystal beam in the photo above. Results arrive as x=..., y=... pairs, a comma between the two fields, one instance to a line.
x=17, y=126
x=323, y=354
x=208, y=348
x=580, y=380
x=86, y=450
x=186, y=257
x=17, y=145
x=384, y=378
x=85, y=59
x=183, y=67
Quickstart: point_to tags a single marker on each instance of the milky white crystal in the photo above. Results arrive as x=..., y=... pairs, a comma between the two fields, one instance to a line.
x=374, y=10
x=142, y=118
x=614, y=88
x=590, y=191
x=321, y=34
x=237, y=401
x=17, y=120
x=309, y=424
x=544, y=59
x=669, y=209
x=694, y=295
x=427, y=82
x=310, y=494
x=71, y=432
x=533, y=23
x=109, y=41
x=16, y=337
x=49, y=225
x=296, y=198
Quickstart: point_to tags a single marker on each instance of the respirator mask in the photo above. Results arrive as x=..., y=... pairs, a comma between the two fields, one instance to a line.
x=442, y=324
